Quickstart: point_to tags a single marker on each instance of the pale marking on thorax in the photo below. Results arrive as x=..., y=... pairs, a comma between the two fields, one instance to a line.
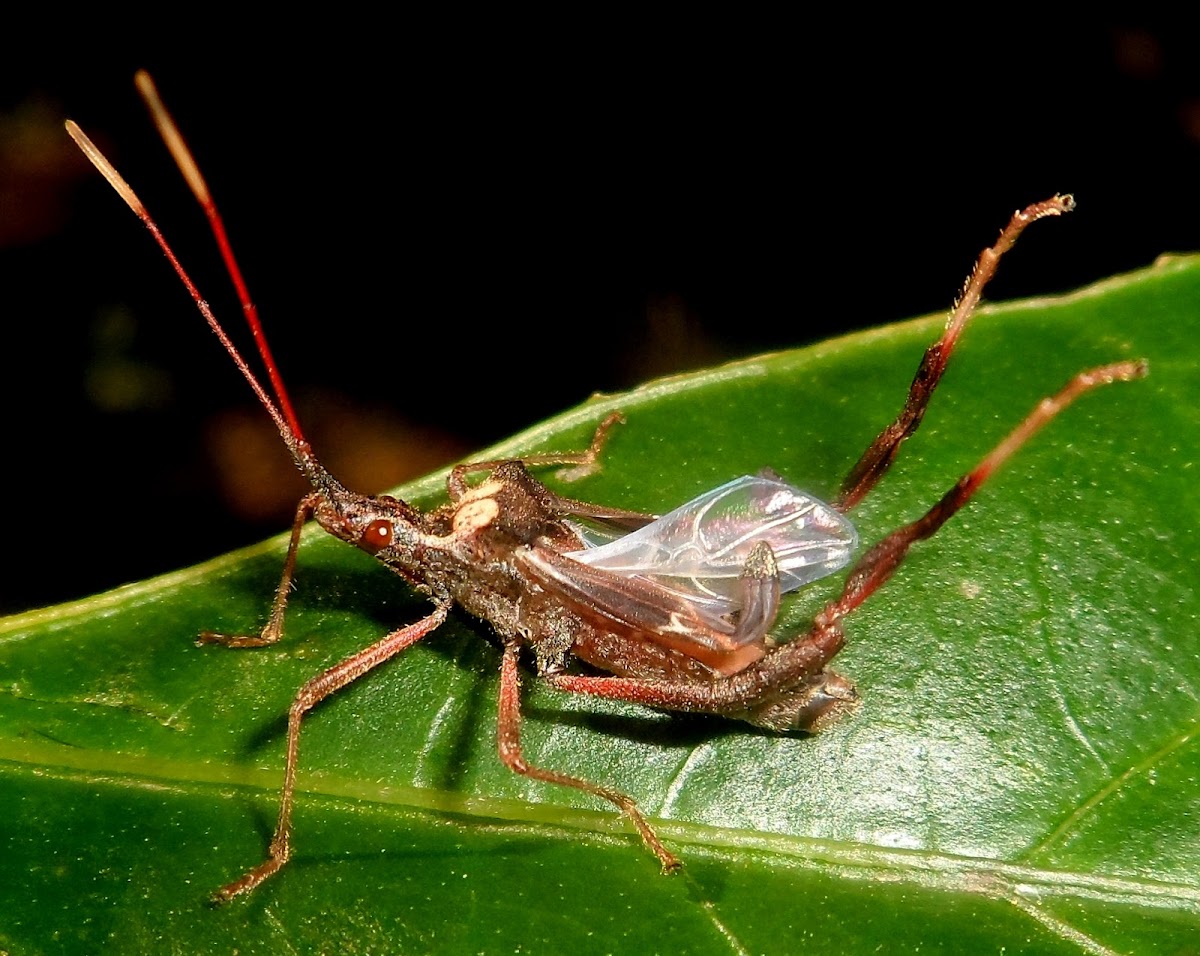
x=488, y=489
x=475, y=515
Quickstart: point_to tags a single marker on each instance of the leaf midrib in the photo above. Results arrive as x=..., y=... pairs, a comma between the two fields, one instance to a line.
x=846, y=860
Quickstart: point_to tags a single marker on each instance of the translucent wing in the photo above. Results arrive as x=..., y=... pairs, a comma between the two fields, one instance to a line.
x=698, y=550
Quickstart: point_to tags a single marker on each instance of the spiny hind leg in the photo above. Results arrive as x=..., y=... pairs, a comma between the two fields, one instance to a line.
x=880, y=454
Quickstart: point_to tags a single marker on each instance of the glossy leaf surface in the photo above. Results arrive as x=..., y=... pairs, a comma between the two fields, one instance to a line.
x=1024, y=773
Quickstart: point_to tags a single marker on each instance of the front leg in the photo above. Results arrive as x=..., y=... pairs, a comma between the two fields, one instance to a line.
x=273, y=630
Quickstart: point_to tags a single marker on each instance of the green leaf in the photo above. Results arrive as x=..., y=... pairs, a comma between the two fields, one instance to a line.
x=1022, y=774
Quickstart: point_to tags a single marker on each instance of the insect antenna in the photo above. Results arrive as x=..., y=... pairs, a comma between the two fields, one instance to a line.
x=278, y=407
x=169, y=131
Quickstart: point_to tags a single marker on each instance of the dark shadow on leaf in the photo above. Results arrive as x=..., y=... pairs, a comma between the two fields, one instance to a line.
x=664, y=729
x=467, y=656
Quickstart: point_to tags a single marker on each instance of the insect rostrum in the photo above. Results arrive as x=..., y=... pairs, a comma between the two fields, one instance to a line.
x=674, y=612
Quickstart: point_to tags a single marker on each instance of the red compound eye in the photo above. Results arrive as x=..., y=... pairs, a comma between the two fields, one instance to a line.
x=377, y=536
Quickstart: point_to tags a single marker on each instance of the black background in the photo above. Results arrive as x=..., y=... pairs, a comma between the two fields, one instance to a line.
x=454, y=231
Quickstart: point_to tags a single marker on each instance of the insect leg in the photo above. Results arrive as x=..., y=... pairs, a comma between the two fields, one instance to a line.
x=585, y=461
x=878, y=564
x=273, y=630
x=878, y=457
x=509, y=747
x=793, y=666
x=311, y=694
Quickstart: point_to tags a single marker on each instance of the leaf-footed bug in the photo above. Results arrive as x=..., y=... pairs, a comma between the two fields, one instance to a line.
x=672, y=612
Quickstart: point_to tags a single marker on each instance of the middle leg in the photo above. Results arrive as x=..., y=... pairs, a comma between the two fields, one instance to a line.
x=509, y=747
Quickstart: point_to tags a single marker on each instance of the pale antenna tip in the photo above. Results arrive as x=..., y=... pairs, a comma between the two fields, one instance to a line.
x=146, y=86
x=107, y=170
x=172, y=137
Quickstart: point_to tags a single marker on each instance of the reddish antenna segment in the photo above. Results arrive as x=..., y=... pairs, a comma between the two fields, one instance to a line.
x=288, y=427
x=170, y=134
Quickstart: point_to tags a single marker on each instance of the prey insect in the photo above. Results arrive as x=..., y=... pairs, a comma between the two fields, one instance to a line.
x=674, y=612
